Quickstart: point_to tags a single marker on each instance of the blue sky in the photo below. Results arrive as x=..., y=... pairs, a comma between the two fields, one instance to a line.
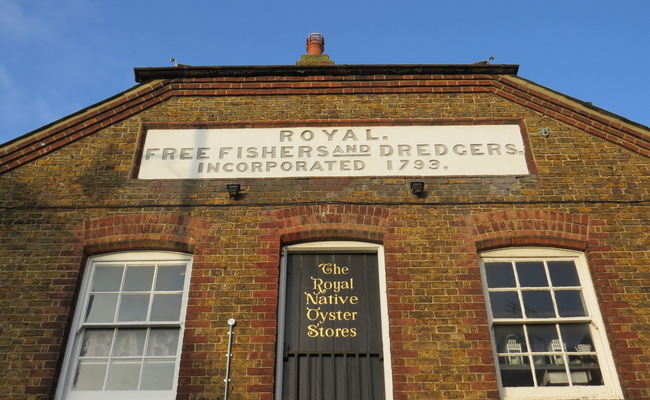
x=60, y=56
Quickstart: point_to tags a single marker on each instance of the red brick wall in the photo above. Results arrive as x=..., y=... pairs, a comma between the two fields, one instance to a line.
x=68, y=193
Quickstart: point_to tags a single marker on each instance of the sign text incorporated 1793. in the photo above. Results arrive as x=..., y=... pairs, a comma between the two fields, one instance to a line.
x=457, y=150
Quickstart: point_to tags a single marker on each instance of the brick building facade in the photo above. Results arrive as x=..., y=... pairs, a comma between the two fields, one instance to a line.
x=75, y=209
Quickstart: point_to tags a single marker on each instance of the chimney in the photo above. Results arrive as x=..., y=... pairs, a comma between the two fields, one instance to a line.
x=315, y=48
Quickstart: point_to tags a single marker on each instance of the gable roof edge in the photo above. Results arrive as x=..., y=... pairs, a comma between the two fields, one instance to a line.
x=608, y=126
x=75, y=126
x=583, y=115
x=146, y=74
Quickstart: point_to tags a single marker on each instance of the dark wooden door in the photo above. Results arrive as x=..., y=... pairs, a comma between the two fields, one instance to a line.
x=333, y=338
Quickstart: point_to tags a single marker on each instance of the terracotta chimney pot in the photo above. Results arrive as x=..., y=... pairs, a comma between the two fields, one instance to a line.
x=315, y=44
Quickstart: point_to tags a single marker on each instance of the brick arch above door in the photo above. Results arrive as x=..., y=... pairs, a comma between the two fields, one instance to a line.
x=332, y=222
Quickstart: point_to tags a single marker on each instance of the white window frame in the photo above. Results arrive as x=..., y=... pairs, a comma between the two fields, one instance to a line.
x=339, y=247
x=64, y=391
x=611, y=387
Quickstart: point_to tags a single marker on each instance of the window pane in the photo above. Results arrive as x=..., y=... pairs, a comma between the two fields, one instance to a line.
x=166, y=307
x=553, y=377
x=540, y=362
x=541, y=337
x=499, y=274
x=538, y=304
x=585, y=370
x=510, y=338
x=97, y=343
x=517, y=375
x=90, y=375
x=548, y=375
x=101, y=308
x=569, y=303
x=157, y=375
x=170, y=277
x=138, y=278
x=505, y=305
x=123, y=375
x=162, y=342
x=133, y=307
x=577, y=337
x=563, y=273
x=107, y=279
x=531, y=274
x=129, y=342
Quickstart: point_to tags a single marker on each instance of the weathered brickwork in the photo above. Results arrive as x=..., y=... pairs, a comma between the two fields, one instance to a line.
x=68, y=192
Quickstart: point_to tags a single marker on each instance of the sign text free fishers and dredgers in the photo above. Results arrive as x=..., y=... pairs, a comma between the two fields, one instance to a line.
x=344, y=151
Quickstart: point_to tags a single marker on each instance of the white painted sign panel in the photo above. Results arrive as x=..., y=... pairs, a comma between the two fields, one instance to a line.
x=333, y=151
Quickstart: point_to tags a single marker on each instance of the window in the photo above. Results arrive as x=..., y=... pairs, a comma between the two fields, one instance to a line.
x=333, y=323
x=547, y=334
x=128, y=328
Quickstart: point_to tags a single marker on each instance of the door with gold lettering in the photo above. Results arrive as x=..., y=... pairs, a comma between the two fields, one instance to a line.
x=332, y=342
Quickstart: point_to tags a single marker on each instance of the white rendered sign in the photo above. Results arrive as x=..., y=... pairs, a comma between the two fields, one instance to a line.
x=333, y=151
